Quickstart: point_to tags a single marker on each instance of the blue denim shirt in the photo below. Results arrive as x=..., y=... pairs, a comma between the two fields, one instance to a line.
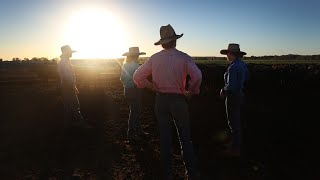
x=235, y=77
x=127, y=72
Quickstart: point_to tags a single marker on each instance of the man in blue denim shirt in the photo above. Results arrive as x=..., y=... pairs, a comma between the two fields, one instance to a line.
x=235, y=79
x=132, y=94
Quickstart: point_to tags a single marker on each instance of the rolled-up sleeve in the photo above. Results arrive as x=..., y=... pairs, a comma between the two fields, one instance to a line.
x=195, y=77
x=141, y=74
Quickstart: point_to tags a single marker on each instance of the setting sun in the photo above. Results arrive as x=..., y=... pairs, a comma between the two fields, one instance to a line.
x=95, y=33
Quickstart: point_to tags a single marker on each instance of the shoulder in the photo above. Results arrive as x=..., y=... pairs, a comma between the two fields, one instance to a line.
x=238, y=65
x=60, y=63
x=232, y=66
x=125, y=65
x=136, y=65
x=241, y=64
x=180, y=53
x=155, y=55
x=183, y=55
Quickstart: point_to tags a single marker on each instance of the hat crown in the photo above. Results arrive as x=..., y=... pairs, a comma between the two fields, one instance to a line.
x=167, y=35
x=167, y=31
x=66, y=49
x=234, y=47
x=134, y=50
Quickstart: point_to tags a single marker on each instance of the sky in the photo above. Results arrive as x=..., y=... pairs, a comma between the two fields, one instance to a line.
x=107, y=28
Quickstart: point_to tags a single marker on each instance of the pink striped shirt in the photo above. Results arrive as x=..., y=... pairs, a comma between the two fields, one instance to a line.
x=169, y=69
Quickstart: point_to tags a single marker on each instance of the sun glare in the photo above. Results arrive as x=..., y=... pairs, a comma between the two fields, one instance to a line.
x=95, y=33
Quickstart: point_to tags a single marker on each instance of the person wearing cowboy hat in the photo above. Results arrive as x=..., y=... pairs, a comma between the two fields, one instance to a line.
x=72, y=114
x=132, y=93
x=169, y=69
x=235, y=78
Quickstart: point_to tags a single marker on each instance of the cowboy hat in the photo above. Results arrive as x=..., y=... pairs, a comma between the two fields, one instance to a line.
x=67, y=49
x=233, y=48
x=167, y=34
x=133, y=51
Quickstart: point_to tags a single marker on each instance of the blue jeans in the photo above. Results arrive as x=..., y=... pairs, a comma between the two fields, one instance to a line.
x=133, y=97
x=233, y=107
x=173, y=109
x=71, y=106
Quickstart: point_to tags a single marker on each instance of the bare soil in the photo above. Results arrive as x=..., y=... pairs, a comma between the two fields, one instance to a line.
x=280, y=121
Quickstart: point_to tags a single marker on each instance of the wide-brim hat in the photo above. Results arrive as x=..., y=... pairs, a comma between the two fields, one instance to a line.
x=133, y=51
x=67, y=49
x=167, y=34
x=233, y=48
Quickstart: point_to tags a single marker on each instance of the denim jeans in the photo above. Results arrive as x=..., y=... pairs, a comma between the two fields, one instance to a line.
x=233, y=107
x=71, y=106
x=133, y=97
x=171, y=110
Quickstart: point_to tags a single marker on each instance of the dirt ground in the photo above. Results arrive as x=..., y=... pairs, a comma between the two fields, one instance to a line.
x=280, y=121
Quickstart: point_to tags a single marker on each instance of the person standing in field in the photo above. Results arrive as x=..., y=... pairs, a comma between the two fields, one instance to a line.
x=235, y=79
x=69, y=90
x=132, y=93
x=169, y=69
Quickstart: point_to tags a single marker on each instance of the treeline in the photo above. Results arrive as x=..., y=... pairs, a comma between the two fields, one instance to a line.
x=32, y=60
x=285, y=57
x=274, y=57
x=208, y=58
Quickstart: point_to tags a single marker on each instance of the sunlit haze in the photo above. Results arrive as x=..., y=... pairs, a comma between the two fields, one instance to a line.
x=95, y=33
x=107, y=28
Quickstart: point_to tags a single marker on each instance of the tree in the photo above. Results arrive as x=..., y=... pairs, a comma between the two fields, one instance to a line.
x=34, y=59
x=44, y=59
x=54, y=60
x=15, y=59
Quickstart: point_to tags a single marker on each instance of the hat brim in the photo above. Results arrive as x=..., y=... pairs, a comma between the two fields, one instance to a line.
x=66, y=52
x=167, y=40
x=133, y=54
x=225, y=51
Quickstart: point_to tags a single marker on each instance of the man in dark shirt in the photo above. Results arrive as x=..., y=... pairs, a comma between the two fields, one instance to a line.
x=235, y=79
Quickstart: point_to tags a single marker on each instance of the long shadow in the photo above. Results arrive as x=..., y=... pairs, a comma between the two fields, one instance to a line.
x=147, y=158
x=35, y=145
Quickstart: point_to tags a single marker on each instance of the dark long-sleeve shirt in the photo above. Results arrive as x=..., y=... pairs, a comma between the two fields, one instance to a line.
x=235, y=77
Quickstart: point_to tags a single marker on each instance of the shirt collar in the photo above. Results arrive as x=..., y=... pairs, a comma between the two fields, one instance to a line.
x=235, y=60
x=65, y=58
x=169, y=50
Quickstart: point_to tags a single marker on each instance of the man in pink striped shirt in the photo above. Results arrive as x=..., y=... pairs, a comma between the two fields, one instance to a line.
x=169, y=69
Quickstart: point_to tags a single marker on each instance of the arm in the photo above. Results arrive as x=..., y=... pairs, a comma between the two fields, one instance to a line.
x=141, y=74
x=195, y=77
x=233, y=83
x=122, y=75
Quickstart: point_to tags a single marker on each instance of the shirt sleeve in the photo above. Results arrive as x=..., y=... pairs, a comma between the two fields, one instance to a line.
x=62, y=73
x=141, y=74
x=233, y=83
x=122, y=76
x=195, y=77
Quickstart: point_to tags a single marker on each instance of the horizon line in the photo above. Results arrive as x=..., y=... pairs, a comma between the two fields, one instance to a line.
x=223, y=56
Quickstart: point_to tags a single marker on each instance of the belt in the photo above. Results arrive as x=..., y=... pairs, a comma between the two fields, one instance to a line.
x=170, y=95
